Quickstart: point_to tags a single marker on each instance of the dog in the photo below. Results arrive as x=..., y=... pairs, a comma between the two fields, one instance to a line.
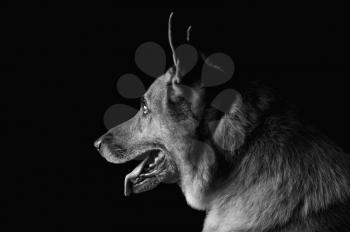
x=255, y=167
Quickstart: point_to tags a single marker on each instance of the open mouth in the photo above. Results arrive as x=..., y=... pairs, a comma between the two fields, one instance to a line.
x=147, y=175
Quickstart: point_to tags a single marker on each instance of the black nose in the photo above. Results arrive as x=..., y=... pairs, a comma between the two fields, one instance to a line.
x=97, y=144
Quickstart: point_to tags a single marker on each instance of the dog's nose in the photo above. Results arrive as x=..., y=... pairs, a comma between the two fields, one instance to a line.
x=97, y=144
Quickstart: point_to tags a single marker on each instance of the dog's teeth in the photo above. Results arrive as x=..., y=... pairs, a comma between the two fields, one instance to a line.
x=150, y=173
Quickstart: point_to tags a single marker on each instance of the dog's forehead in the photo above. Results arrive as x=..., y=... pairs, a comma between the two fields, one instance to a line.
x=159, y=87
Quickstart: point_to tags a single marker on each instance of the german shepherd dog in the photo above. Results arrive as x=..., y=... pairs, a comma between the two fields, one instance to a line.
x=256, y=168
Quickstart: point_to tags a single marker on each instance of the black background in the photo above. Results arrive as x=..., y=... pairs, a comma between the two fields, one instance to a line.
x=59, y=70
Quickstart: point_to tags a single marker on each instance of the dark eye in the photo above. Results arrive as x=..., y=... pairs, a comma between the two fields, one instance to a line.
x=145, y=110
x=144, y=106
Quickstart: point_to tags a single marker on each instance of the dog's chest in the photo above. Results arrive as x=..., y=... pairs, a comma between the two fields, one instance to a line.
x=225, y=221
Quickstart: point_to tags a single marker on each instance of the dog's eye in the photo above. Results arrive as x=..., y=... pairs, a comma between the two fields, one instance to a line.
x=145, y=110
x=144, y=107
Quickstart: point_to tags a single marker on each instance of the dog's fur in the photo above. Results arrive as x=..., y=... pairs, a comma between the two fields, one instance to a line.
x=253, y=168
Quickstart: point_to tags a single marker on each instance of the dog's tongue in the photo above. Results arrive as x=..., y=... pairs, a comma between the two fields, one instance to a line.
x=132, y=176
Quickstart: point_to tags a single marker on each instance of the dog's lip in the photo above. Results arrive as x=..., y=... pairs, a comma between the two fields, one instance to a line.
x=119, y=158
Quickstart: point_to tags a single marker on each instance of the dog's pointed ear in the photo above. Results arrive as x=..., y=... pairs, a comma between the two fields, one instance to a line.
x=185, y=69
x=229, y=131
x=186, y=93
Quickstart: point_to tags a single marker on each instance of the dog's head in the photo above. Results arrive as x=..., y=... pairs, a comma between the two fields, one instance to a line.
x=155, y=135
x=169, y=134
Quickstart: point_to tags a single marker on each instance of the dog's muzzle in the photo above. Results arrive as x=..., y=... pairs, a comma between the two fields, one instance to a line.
x=105, y=139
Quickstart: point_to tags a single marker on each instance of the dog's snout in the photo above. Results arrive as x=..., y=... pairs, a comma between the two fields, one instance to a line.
x=97, y=144
x=105, y=139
